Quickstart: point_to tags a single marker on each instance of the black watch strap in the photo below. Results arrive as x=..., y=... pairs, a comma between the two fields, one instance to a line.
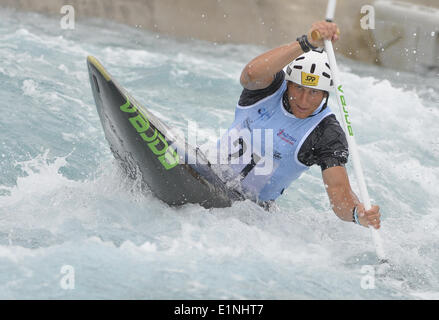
x=309, y=43
x=305, y=44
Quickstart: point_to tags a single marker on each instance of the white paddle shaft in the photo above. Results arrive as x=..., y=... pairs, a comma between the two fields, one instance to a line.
x=353, y=150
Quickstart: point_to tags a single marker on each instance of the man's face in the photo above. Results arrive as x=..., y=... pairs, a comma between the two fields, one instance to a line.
x=303, y=100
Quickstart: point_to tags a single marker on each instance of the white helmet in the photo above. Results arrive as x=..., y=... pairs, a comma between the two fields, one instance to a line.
x=311, y=70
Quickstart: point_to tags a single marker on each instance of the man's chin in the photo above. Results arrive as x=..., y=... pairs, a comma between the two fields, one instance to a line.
x=300, y=113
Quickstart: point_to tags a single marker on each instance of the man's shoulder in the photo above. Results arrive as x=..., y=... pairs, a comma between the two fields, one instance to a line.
x=326, y=145
x=328, y=125
x=250, y=97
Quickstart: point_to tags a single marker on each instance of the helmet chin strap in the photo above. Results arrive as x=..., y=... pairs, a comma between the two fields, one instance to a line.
x=326, y=101
x=322, y=106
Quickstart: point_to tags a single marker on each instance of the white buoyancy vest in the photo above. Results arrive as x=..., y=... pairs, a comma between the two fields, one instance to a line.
x=262, y=144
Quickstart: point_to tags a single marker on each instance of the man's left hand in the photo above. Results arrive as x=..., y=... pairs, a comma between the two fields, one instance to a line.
x=370, y=217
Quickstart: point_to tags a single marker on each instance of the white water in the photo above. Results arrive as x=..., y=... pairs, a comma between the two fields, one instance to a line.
x=63, y=200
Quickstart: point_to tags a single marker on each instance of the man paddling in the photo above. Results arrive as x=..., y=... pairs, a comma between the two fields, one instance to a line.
x=293, y=104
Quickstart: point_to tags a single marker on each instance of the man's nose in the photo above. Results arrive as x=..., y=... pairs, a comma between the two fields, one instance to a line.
x=302, y=97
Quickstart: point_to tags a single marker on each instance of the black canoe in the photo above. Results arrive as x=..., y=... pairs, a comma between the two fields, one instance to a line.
x=145, y=145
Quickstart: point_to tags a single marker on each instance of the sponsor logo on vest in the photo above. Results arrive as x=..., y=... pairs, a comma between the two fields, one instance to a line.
x=167, y=156
x=286, y=137
x=309, y=79
x=277, y=155
x=263, y=114
x=346, y=113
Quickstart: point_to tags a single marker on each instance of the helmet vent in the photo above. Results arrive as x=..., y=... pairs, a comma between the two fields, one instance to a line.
x=328, y=66
x=300, y=58
x=326, y=75
x=313, y=68
x=298, y=67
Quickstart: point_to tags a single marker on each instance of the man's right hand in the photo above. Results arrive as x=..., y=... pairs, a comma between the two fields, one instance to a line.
x=326, y=30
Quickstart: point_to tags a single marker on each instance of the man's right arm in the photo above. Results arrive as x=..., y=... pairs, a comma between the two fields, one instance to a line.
x=259, y=73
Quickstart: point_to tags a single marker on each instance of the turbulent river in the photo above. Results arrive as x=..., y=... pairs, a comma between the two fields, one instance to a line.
x=66, y=209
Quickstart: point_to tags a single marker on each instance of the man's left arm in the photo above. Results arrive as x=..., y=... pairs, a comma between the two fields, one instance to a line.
x=343, y=199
